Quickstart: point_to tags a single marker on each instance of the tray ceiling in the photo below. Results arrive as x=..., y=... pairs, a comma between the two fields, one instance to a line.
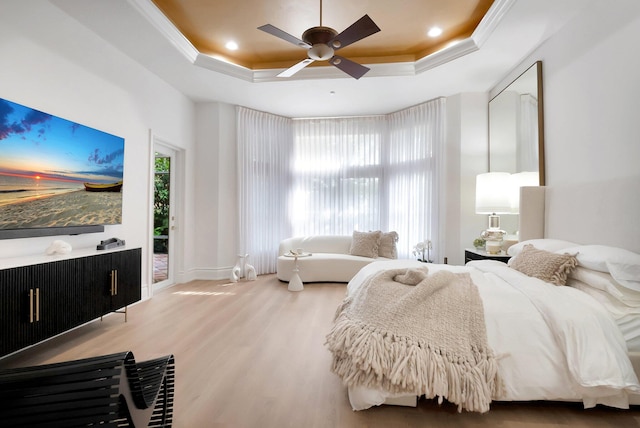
x=209, y=26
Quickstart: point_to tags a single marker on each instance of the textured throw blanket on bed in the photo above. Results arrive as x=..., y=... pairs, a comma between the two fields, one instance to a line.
x=405, y=331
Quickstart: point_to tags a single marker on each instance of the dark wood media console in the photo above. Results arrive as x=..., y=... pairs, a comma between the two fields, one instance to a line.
x=42, y=300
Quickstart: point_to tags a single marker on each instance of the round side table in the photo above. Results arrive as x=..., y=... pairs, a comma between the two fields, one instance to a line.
x=295, y=283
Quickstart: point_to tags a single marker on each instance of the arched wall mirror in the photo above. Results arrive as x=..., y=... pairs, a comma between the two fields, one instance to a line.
x=516, y=125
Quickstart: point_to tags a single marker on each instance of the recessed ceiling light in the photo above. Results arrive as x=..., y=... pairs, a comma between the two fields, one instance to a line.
x=231, y=45
x=434, y=32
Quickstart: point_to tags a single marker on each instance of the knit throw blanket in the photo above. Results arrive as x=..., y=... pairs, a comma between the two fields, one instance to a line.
x=404, y=331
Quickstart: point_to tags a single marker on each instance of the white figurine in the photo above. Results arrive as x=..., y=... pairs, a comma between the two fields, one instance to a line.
x=242, y=269
x=250, y=272
x=235, y=274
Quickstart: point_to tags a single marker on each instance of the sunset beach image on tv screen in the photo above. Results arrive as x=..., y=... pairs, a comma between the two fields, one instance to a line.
x=57, y=173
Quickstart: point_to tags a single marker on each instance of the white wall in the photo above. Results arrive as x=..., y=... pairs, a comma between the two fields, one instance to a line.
x=466, y=122
x=216, y=206
x=451, y=211
x=107, y=91
x=591, y=95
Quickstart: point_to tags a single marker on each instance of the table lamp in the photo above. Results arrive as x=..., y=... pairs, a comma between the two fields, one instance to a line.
x=494, y=197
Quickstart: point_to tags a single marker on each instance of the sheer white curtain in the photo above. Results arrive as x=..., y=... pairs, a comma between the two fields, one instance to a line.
x=337, y=175
x=413, y=175
x=265, y=147
x=333, y=176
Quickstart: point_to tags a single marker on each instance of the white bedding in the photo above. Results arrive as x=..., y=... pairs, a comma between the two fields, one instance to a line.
x=552, y=343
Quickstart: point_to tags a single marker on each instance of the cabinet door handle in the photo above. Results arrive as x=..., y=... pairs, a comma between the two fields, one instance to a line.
x=31, y=305
x=37, y=304
x=114, y=282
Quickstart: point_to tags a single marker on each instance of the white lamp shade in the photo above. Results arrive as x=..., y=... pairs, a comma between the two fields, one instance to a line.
x=493, y=193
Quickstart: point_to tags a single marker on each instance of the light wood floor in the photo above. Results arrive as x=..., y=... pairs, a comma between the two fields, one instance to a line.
x=252, y=354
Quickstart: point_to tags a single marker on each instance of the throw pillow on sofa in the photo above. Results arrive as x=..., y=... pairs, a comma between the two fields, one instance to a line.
x=365, y=244
x=387, y=247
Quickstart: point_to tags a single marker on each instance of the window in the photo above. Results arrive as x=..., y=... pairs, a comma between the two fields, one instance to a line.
x=334, y=176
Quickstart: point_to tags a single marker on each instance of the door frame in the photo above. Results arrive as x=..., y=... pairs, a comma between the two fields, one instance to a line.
x=175, y=209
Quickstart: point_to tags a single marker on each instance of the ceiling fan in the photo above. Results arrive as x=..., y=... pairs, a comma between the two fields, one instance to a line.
x=322, y=42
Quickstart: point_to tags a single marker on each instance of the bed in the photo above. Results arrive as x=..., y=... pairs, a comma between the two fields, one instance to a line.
x=575, y=342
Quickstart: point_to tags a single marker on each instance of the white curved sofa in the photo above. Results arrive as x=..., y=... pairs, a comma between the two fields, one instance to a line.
x=330, y=259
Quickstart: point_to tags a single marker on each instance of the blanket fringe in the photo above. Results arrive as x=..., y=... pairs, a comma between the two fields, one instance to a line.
x=372, y=358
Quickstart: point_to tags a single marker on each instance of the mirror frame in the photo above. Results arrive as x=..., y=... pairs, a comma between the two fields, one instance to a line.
x=541, y=163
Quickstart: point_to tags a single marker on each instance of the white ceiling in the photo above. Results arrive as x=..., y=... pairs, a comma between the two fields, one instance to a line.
x=133, y=27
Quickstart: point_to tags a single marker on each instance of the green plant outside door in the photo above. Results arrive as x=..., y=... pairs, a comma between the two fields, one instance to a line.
x=161, y=205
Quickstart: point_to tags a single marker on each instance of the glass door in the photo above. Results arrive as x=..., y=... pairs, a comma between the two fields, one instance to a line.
x=163, y=215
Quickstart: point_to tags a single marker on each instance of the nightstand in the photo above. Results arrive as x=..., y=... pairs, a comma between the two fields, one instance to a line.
x=475, y=254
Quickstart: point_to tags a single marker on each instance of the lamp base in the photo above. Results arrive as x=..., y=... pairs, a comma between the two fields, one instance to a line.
x=493, y=247
x=493, y=240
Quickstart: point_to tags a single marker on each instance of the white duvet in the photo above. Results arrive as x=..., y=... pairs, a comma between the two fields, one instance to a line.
x=552, y=343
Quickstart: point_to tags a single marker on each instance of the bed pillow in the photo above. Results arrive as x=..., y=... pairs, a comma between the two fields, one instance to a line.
x=626, y=317
x=606, y=283
x=365, y=244
x=551, y=245
x=544, y=265
x=623, y=265
x=387, y=247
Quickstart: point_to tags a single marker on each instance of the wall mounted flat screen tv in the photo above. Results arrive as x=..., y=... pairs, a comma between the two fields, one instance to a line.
x=57, y=177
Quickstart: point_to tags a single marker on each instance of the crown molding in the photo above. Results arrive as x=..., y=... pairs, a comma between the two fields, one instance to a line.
x=445, y=55
x=230, y=69
x=490, y=21
x=485, y=28
x=161, y=23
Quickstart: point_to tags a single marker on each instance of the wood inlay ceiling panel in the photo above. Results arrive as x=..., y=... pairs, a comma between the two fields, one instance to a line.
x=404, y=24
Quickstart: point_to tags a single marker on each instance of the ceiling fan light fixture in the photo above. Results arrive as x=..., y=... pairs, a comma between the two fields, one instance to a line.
x=321, y=43
x=320, y=52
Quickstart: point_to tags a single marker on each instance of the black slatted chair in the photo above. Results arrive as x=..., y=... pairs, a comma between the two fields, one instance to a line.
x=106, y=391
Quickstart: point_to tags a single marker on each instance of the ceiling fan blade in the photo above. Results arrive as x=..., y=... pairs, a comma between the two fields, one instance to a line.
x=360, y=29
x=353, y=69
x=294, y=69
x=275, y=31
